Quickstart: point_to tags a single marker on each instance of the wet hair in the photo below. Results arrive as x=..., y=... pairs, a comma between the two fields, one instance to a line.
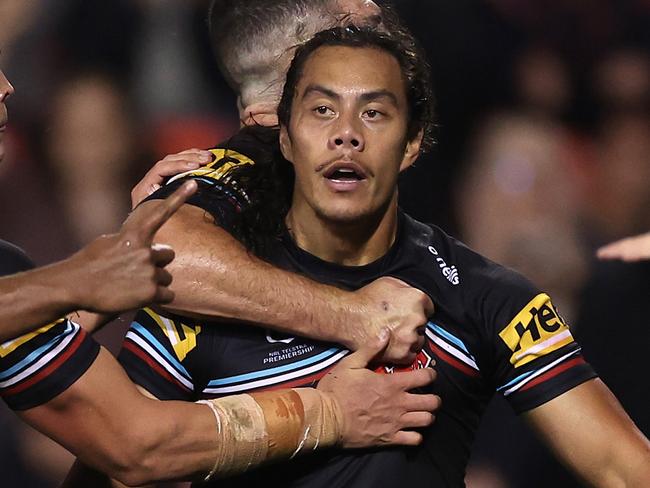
x=397, y=42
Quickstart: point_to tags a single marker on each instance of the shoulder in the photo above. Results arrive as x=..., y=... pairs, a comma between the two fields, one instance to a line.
x=453, y=262
x=13, y=259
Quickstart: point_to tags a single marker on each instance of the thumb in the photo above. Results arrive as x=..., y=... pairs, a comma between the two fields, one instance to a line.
x=366, y=354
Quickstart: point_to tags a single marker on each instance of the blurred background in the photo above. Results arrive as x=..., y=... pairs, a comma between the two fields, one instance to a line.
x=543, y=154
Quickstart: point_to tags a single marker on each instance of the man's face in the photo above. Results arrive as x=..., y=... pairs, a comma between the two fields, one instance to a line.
x=5, y=90
x=347, y=137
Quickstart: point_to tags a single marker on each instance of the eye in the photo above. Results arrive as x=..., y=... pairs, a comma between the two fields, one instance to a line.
x=372, y=114
x=323, y=110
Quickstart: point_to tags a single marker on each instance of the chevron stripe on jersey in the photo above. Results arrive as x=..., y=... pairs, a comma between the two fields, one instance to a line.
x=451, y=349
x=276, y=376
x=40, y=365
x=525, y=381
x=142, y=343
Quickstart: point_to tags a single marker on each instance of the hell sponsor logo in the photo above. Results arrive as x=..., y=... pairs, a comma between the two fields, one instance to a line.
x=535, y=331
x=449, y=272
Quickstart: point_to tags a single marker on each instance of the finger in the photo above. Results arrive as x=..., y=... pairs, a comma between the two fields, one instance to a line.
x=192, y=151
x=194, y=158
x=615, y=250
x=400, y=356
x=628, y=249
x=162, y=254
x=406, y=438
x=429, y=309
x=419, y=342
x=169, y=166
x=163, y=295
x=414, y=420
x=157, y=215
x=421, y=402
x=410, y=380
x=163, y=277
x=173, y=167
x=366, y=354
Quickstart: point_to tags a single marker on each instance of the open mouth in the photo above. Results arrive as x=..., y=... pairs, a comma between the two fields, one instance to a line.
x=345, y=172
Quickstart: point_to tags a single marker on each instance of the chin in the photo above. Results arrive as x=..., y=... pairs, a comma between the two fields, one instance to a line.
x=343, y=216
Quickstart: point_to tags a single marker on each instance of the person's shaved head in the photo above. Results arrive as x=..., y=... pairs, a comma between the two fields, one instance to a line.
x=253, y=39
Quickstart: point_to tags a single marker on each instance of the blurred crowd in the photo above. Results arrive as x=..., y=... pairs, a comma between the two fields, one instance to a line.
x=543, y=154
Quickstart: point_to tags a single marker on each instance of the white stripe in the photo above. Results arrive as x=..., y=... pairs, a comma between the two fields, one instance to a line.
x=452, y=350
x=196, y=172
x=172, y=334
x=158, y=358
x=532, y=351
x=278, y=379
x=42, y=362
x=536, y=374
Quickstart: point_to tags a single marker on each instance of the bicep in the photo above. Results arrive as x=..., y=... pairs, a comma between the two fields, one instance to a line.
x=589, y=430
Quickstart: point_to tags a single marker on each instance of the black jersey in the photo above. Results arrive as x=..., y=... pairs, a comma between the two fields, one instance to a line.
x=492, y=331
x=38, y=366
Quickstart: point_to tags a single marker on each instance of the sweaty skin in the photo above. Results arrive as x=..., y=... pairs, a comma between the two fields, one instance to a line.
x=106, y=421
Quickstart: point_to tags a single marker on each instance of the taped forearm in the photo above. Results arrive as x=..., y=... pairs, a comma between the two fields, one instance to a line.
x=263, y=427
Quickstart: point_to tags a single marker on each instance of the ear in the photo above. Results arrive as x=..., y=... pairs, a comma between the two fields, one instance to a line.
x=285, y=144
x=412, y=150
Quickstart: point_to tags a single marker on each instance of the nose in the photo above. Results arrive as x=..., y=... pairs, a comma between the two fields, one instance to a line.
x=346, y=136
x=6, y=89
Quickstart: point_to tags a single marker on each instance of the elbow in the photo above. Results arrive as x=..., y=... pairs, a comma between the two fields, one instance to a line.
x=136, y=463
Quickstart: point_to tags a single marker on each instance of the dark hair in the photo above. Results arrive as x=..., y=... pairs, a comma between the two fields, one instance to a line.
x=398, y=42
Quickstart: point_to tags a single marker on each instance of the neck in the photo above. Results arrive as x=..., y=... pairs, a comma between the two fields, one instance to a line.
x=262, y=113
x=350, y=243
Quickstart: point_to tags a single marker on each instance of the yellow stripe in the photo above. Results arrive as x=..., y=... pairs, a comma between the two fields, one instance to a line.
x=217, y=169
x=181, y=346
x=10, y=346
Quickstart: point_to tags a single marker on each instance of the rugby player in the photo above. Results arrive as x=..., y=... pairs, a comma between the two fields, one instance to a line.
x=61, y=382
x=214, y=274
x=355, y=113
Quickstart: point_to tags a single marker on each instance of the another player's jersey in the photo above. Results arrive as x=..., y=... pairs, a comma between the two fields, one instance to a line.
x=38, y=366
x=492, y=331
x=222, y=183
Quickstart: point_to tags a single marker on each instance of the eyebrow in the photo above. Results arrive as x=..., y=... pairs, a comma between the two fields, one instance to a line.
x=366, y=97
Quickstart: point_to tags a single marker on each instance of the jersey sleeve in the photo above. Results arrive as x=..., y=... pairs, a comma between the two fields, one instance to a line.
x=38, y=366
x=154, y=355
x=219, y=192
x=535, y=357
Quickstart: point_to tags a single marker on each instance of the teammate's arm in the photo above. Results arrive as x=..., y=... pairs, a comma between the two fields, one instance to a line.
x=113, y=273
x=105, y=421
x=352, y=407
x=214, y=275
x=591, y=433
